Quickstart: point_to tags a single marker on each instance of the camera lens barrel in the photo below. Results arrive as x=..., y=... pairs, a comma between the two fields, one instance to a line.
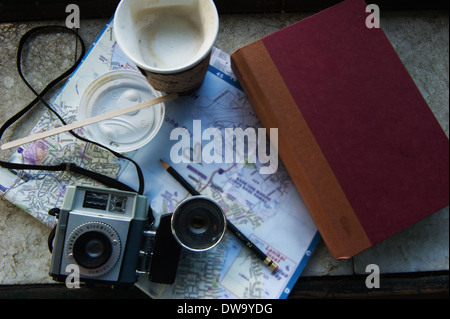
x=92, y=250
x=95, y=247
x=198, y=223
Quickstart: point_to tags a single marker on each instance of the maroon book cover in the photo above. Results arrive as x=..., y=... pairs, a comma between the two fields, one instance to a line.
x=358, y=139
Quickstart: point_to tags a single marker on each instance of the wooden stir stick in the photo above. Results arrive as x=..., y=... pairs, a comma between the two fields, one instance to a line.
x=89, y=121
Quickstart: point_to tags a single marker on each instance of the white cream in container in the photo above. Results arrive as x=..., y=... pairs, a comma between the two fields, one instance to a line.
x=116, y=90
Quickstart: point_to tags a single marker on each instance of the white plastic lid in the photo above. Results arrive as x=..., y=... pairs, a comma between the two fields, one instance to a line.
x=116, y=90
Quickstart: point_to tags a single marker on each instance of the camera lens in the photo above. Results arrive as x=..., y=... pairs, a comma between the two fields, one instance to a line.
x=198, y=223
x=95, y=247
x=92, y=250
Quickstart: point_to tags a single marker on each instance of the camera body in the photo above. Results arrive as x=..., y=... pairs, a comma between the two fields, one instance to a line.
x=107, y=235
x=102, y=232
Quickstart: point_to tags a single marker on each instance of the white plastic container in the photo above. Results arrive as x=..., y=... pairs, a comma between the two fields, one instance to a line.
x=116, y=90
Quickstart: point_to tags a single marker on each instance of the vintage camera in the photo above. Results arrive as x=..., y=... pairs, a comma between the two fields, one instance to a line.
x=109, y=235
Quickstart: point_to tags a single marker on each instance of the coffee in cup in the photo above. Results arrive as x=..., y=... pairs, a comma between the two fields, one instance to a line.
x=169, y=40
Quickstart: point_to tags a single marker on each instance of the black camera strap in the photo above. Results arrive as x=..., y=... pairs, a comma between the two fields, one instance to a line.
x=69, y=167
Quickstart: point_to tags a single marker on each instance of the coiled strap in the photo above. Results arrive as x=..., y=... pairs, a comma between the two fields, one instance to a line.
x=71, y=167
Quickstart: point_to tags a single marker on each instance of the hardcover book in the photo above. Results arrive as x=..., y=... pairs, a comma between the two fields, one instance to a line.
x=358, y=139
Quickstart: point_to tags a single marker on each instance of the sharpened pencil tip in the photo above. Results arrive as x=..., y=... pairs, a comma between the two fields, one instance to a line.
x=166, y=166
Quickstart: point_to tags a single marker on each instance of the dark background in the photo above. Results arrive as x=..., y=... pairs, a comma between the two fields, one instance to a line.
x=25, y=10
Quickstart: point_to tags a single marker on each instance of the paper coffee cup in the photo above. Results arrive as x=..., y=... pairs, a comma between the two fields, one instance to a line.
x=169, y=40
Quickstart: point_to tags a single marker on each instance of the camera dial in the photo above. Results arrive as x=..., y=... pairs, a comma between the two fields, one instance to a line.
x=95, y=247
